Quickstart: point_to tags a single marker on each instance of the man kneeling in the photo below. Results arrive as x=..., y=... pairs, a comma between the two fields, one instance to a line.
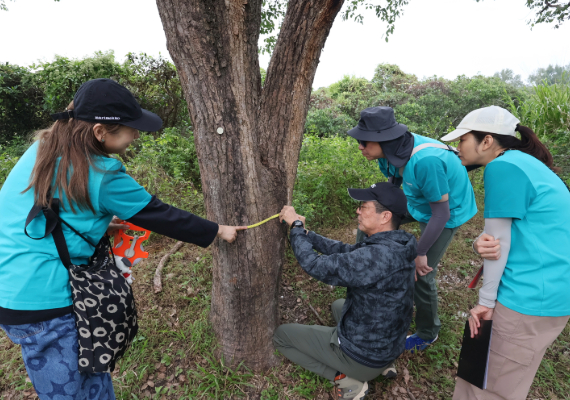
x=378, y=273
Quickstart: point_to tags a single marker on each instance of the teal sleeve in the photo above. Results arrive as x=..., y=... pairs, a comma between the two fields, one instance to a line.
x=508, y=191
x=431, y=178
x=121, y=195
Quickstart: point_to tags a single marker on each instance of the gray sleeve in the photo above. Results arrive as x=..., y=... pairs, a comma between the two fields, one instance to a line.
x=499, y=228
x=440, y=214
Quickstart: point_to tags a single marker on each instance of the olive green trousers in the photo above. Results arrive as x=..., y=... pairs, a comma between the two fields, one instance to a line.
x=317, y=349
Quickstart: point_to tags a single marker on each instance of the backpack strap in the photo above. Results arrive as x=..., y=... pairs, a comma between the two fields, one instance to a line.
x=425, y=146
x=53, y=226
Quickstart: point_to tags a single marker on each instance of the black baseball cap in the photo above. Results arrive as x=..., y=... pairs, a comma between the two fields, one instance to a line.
x=385, y=193
x=104, y=101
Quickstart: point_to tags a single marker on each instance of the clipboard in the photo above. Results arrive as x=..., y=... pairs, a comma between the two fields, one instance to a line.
x=474, y=357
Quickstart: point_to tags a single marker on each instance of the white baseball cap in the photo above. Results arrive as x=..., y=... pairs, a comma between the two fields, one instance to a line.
x=489, y=119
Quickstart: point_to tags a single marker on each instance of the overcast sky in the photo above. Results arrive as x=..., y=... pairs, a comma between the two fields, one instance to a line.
x=436, y=37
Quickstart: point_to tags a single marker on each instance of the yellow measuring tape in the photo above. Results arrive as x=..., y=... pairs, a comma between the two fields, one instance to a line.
x=264, y=221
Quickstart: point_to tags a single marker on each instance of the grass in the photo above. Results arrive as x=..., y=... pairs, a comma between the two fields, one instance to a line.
x=173, y=356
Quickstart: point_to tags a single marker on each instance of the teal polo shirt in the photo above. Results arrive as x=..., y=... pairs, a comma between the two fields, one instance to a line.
x=430, y=174
x=32, y=277
x=536, y=280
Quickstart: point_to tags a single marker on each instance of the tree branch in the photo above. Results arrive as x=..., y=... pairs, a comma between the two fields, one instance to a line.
x=161, y=264
x=287, y=90
x=557, y=6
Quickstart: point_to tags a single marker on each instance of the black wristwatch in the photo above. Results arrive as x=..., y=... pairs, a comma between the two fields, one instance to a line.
x=297, y=224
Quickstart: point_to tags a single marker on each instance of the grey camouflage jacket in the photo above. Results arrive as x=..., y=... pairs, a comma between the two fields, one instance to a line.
x=379, y=276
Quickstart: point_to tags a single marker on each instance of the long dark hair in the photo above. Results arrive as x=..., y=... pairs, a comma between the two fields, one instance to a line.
x=74, y=141
x=528, y=143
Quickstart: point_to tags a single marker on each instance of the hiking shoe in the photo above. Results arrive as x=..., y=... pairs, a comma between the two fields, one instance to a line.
x=416, y=343
x=390, y=372
x=348, y=388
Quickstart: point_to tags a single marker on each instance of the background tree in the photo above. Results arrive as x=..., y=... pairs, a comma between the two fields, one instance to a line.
x=248, y=139
x=551, y=75
x=508, y=76
x=548, y=11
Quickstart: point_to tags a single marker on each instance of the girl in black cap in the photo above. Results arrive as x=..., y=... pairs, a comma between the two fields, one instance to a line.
x=71, y=161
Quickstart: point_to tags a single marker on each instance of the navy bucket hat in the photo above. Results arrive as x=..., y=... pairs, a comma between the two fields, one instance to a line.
x=377, y=124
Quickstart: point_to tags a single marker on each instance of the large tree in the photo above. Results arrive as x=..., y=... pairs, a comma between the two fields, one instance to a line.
x=248, y=139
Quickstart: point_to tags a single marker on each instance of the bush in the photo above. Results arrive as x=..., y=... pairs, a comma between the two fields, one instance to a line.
x=547, y=112
x=21, y=110
x=429, y=107
x=29, y=95
x=327, y=167
x=60, y=79
x=155, y=84
x=167, y=167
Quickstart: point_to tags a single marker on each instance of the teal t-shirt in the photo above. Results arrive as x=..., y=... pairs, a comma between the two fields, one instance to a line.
x=536, y=280
x=430, y=174
x=32, y=277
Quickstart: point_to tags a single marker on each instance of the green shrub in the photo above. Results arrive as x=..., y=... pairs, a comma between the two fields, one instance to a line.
x=60, y=78
x=547, y=112
x=7, y=162
x=327, y=167
x=167, y=167
x=21, y=110
x=155, y=84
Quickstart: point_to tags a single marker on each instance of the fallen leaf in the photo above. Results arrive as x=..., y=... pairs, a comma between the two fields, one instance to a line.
x=181, y=378
x=406, y=375
x=161, y=376
x=150, y=383
x=402, y=390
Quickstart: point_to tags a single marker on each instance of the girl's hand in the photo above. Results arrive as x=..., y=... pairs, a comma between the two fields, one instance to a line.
x=488, y=247
x=115, y=225
x=478, y=313
x=422, y=267
x=229, y=233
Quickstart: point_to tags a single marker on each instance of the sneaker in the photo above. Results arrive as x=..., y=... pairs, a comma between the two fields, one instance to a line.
x=348, y=388
x=390, y=372
x=414, y=342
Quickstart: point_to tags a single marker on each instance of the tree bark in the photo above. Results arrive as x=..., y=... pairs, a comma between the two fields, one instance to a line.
x=248, y=170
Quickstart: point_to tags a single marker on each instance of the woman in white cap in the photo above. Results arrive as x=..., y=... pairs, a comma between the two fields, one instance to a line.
x=71, y=160
x=526, y=288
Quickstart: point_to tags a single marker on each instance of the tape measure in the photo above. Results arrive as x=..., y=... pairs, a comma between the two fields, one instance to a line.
x=264, y=221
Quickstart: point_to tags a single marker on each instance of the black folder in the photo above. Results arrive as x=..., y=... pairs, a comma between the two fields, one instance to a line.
x=474, y=357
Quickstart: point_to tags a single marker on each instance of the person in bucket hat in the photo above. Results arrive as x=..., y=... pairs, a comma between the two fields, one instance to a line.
x=439, y=195
x=371, y=323
x=71, y=160
x=525, y=290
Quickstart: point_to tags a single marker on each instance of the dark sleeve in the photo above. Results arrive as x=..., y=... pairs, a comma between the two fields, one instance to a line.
x=328, y=246
x=439, y=216
x=175, y=223
x=358, y=268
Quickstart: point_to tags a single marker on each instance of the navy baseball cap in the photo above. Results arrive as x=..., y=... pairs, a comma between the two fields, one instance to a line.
x=385, y=193
x=104, y=101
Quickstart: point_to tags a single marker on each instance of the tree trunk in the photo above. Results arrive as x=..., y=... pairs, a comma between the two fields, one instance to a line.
x=247, y=140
